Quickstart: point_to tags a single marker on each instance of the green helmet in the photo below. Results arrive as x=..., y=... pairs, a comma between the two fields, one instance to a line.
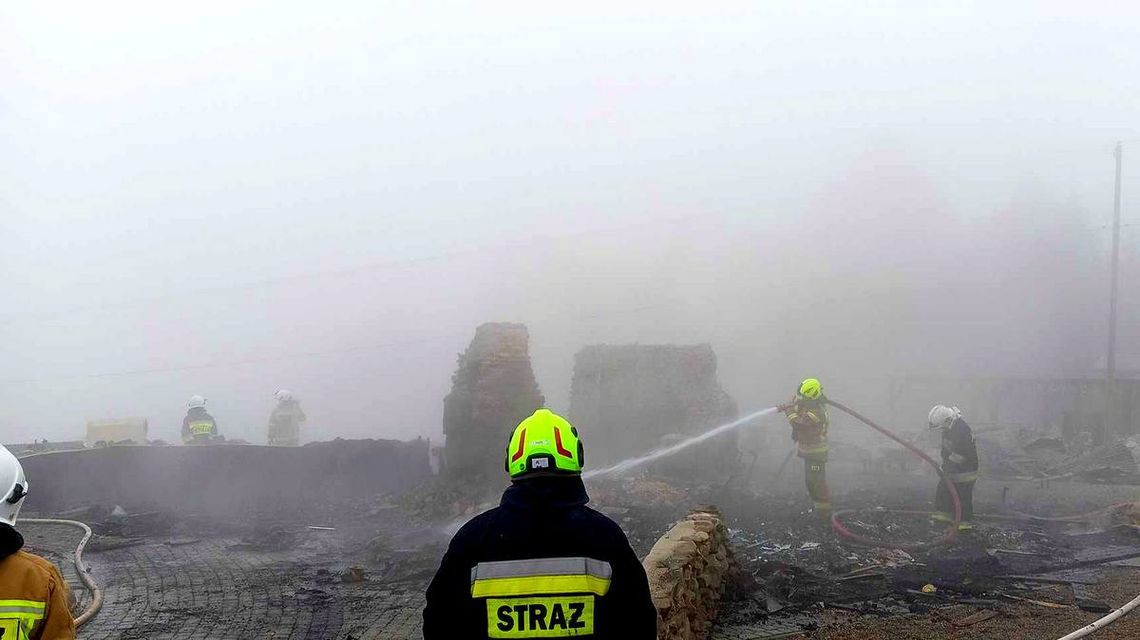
x=544, y=443
x=811, y=389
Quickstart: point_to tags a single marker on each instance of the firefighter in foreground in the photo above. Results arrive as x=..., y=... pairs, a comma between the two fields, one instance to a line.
x=33, y=594
x=285, y=421
x=198, y=427
x=807, y=413
x=542, y=564
x=959, y=463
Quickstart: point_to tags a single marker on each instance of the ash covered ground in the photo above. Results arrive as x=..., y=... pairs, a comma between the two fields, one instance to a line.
x=358, y=568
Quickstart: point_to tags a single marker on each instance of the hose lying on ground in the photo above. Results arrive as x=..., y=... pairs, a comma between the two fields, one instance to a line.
x=951, y=530
x=1015, y=516
x=1105, y=621
x=80, y=567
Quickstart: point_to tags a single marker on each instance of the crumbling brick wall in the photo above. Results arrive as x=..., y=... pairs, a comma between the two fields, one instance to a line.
x=687, y=570
x=493, y=389
x=627, y=399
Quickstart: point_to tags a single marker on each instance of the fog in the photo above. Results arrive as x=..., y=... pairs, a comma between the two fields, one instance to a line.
x=230, y=198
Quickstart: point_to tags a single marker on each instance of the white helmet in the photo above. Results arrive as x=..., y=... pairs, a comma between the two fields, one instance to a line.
x=942, y=417
x=196, y=402
x=14, y=486
x=283, y=396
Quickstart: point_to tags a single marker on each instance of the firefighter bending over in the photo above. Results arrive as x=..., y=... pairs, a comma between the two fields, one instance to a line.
x=959, y=463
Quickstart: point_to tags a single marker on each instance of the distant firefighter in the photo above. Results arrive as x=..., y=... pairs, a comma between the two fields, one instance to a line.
x=198, y=427
x=285, y=421
x=959, y=463
x=807, y=413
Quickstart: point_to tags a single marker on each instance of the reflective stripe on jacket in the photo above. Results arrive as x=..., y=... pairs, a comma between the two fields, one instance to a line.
x=809, y=429
x=33, y=600
x=557, y=596
x=541, y=576
x=198, y=426
x=541, y=565
x=965, y=476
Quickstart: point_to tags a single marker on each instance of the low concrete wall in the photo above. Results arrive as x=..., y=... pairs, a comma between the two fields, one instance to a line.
x=223, y=480
x=687, y=570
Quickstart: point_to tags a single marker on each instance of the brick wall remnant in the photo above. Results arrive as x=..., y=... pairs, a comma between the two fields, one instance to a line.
x=628, y=399
x=687, y=569
x=492, y=390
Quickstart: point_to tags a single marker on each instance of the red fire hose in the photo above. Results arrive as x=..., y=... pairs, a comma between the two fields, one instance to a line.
x=951, y=530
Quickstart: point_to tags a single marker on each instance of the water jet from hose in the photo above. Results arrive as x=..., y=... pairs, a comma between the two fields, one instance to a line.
x=632, y=463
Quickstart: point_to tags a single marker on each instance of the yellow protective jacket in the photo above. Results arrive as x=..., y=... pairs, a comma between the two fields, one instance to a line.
x=33, y=599
x=809, y=429
x=285, y=424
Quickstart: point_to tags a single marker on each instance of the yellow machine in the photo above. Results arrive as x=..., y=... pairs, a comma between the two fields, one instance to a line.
x=101, y=433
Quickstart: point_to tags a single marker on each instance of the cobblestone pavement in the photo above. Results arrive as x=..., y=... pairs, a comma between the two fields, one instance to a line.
x=57, y=542
x=219, y=588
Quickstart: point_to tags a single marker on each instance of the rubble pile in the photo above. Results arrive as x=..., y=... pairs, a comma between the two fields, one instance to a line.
x=493, y=389
x=640, y=491
x=687, y=571
x=443, y=499
x=628, y=399
x=1042, y=454
x=792, y=568
x=1126, y=514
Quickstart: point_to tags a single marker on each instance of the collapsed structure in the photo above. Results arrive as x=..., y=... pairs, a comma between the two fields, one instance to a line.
x=338, y=539
x=630, y=398
x=493, y=389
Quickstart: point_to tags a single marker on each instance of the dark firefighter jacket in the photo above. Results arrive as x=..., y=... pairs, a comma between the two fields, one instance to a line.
x=198, y=426
x=542, y=564
x=959, y=453
x=33, y=595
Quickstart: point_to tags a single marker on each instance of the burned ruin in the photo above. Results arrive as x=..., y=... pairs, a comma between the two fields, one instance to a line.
x=339, y=539
x=628, y=399
x=493, y=389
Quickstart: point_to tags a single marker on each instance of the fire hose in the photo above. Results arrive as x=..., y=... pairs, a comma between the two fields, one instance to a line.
x=952, y=528
x=1105, y=621
x=80, y=567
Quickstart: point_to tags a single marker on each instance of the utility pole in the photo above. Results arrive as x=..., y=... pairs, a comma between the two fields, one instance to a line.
x=1110, y=361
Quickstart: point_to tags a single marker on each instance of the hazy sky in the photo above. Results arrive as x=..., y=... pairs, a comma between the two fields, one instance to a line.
x=230, y=198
